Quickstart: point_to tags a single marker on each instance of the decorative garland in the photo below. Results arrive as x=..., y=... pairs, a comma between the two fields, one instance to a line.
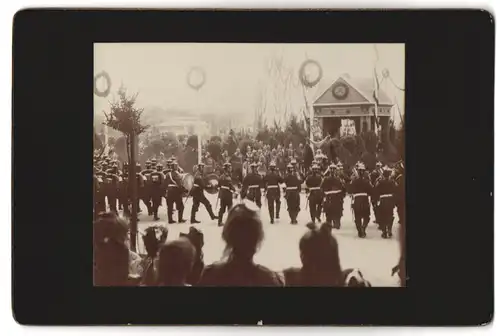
x=302, y=76
x=343, y=95
x=386, y=74
x=201, y=83
x=106, y=92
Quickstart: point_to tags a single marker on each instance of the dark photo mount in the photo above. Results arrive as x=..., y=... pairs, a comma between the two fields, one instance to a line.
x=449, y=160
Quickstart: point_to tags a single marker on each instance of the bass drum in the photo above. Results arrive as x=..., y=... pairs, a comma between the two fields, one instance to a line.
x=187, y=181
x=212, y=183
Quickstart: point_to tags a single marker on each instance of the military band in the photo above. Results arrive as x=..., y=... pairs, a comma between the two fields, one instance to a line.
x=326, y=187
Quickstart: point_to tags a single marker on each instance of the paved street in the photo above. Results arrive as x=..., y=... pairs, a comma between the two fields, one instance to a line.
x=374, y=256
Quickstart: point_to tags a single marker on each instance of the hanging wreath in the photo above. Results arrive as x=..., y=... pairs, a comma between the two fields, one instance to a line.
x=385, y=73
x=106, y=92
x=194, y=85
x=340, y=91
x=303, y=77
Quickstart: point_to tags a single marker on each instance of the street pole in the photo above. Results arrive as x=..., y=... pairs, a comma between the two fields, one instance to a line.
x=133, y=188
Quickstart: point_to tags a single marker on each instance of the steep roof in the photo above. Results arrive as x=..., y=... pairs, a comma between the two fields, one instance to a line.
x=361, y=89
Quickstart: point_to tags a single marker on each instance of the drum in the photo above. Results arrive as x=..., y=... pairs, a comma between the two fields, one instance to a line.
x=212, y=183
x=187, y=181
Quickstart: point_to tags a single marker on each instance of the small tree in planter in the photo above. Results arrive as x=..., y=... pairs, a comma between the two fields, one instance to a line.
x=126, y=118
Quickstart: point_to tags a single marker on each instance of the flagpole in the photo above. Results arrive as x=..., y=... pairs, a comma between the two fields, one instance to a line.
x=376, y=89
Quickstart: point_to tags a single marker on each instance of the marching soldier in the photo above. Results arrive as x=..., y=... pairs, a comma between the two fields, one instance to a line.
x=334, y=190
x=375, y=175
x=271, y=184
x=385, y=190
x=199, y=196
x=226, y=191
x=292, y=194
x=140, y=180
x=174, y=194
x=146, y=194
x=251, y=186
x=157, y=190
x=168, y=169
x=111, y=184
x=315, y=198
x=361, y=189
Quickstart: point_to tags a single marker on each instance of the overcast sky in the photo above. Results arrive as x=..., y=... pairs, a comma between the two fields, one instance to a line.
x=235, y=72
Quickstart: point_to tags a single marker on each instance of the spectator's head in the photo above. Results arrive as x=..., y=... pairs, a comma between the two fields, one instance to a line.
x=176, y=259
x=355, y=278
x=319, y=253
x=111, y=253
x=243, y=232
x=153, y=238
x=196, y=238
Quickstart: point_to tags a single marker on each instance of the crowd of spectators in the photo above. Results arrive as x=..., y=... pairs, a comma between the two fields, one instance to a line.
x=180, y=262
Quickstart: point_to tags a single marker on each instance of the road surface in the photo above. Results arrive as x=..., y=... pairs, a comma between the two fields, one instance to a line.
x=373, y=255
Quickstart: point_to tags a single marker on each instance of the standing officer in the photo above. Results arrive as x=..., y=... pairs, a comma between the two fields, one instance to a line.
x=334, y=190
x=226, y=191
x=361, y=189
x=174, y=194
x=251, y=186
x=199, y=196
x=157, y=190
x=385, y=190
x=271, y=184
x=292, y=193
x=315, y=198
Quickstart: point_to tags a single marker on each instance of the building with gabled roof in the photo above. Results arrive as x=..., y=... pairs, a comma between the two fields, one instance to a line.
x=351, y=99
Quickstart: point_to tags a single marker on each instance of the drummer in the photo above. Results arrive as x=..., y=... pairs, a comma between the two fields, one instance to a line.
x=199, y=196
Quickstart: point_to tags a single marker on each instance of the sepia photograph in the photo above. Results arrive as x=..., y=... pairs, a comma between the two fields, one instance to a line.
x=249, y=164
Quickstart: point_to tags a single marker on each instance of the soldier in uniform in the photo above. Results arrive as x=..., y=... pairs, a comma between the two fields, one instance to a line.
x=111, y=182
x=292, y=193
x=199, y=196
x=400, y=192
x=385, y=190
x=146, y=190
x=334, y=190
x=168, y=169
x=374, y=176
x=226, y=191
x=237, y=163
x=272, y=183
x=361, y=188
x=251, y=186
x=157, y=190
x=123, y=190
x=315, y=198
x=174, y=194
x=99, y=201
x=140, y=180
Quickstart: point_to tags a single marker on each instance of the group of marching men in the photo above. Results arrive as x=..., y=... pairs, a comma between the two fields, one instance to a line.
x=382, y=190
